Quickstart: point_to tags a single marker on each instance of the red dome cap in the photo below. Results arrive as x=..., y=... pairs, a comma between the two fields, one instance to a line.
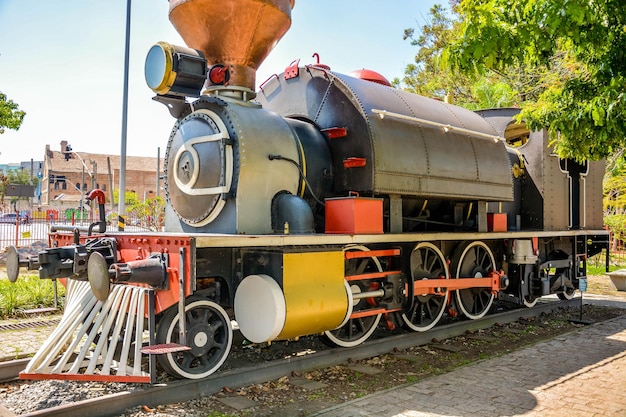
x=370, y=75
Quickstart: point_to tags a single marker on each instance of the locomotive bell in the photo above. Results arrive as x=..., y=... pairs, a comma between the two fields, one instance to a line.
x=237, y=33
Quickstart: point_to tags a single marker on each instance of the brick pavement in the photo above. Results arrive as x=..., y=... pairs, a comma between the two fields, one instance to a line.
x=17, y=344
x=582, y=373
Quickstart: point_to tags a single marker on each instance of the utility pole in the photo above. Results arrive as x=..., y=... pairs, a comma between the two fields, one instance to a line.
x=32, y=168
x=121, y=208
x=94, y=170
x=158, y=175
x=82, y=193
x=110, y=176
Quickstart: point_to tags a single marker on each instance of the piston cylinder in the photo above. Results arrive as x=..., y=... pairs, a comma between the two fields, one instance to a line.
x=151, y=271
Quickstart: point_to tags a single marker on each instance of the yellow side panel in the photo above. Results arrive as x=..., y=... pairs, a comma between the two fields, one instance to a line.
x=315, y=293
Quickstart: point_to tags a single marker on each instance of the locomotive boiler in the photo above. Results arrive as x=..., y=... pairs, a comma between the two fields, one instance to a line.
x=323, y=203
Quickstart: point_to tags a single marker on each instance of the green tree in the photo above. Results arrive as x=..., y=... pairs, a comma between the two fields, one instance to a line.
x=425, y=76
x=4, y=181
x=428, y=77
x=579, y=48
x=11, y=116
x=15, y=177
x=150, y=213
x=22, y=177
x=130, y=197
x=614, y=188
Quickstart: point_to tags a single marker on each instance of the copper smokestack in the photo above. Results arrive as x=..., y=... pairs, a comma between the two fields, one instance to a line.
x=237, y=33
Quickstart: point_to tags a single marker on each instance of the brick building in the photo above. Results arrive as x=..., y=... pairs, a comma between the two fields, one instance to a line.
x=68, y=176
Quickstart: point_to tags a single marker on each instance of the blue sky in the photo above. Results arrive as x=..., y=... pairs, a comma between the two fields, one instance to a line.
x=62, y=62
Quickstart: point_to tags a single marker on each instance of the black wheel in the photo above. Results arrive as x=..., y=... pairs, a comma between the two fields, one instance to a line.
x=519, y=285
x=561, y=284
x=568, y=294
x=356, y=331
x=474, y=260
x=530, y=301
x=427, y=261
x=209, y=334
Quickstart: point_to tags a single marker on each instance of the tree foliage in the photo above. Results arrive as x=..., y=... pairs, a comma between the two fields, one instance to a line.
x=130, y=197
x=577, y=47
x=11, y=116
x=614, y=188
x=151, y=213
x=428, y=77
x=4, y=181
x=15, y=177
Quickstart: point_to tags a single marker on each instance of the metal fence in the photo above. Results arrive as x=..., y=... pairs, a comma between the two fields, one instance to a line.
x=33, y=227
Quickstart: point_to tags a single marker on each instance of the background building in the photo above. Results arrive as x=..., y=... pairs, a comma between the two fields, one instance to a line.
x=68, y=175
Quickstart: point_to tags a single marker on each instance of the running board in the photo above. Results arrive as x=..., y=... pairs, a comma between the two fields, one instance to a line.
x=97, y=341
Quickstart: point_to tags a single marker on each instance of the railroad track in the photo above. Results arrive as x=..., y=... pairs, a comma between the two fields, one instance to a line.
x=183, y=390
x=9, y=370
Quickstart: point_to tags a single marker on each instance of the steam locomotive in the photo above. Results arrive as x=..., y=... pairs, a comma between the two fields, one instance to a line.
x=324, y=204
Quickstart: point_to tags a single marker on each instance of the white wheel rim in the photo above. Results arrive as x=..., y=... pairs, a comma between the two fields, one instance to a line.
x=366, y=335
x=170, y=359
x=458, y=272
x=440, y=256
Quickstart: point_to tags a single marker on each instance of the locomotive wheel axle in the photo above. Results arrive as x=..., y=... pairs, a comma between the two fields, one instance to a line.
x=495, y=282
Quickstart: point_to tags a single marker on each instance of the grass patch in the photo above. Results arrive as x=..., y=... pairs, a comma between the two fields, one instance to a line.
x=601, y=270
x=316, y=396
x=596, y=264
x=411, y=379
x=28, y=292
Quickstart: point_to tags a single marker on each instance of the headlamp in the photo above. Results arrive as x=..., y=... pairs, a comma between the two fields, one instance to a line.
x=175, y=70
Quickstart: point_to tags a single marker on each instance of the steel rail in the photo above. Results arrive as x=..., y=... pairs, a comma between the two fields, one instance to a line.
x=180, y=391
x=9, y=370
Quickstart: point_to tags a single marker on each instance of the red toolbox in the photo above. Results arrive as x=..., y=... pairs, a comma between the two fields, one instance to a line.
x=496, y=222
x=354, y=215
